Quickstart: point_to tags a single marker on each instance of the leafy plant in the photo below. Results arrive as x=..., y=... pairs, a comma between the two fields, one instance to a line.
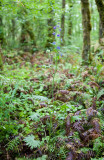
x=98, y=146
x=13, y=144
x=31, y=142
x=100, y=93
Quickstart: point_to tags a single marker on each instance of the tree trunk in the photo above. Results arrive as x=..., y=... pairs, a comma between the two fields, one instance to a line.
x=100, y=31
x=100, y=7
x=63, y=22
x=1, y=61
x=1, y=30
x=13, y=29
x=86, y=32
x=26, y=28
x=51, y=23
x=1, y=40
x=70, y=21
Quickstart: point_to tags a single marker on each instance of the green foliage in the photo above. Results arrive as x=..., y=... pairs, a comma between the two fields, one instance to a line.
x=13, y=144
x=41, y=98
x=1, y=63
x=84, y=149
x=36, y=21
x=98, y=146
x=44, y=157
x=97, y=158
x=26, y=110
x=75, y=118
x=35, y=116
x=31, y=142
x=100, y=93
x=44, y=97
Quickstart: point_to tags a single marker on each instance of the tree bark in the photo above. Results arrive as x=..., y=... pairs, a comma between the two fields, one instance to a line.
x=70, y=21
x=1, y=60
x=1, y=40
x=86, y=55
x=13, y=28
x=100, y=31
x=51, y=23
x=100, y=7
x=26, y=28
x=63, y=22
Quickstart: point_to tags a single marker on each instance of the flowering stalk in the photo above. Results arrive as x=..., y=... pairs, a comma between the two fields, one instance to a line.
x=56, y=57
x=53, y=81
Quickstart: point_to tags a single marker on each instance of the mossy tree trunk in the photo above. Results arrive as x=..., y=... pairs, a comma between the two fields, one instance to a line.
x=100, y=7
x=1, y=40
x=13, y=28
x=1, y=61
x=51, y=23
x=100, y=31
x=86, y=31
x=26, y=28
x=70, y=21
x=63, y=22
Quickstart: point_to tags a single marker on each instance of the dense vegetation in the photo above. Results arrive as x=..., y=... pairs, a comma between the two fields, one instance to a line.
x=51, y=80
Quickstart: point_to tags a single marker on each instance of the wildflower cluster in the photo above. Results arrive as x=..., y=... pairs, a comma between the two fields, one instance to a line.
x=57, y=35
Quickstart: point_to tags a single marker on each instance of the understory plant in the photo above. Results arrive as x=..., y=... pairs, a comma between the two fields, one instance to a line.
x=36, y=125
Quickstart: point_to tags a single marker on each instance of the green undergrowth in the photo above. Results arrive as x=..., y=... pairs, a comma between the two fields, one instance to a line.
x=36, y=126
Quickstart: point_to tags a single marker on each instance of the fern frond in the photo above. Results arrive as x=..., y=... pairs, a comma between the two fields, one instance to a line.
x=41, y=98
x=101, y=92
x=13, y=144
x=31, y=142
x=44, y=157
x=34, y=116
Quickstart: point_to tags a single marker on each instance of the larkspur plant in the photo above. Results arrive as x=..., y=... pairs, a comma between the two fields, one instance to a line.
x=57, y=48
x=53, y=33
x=58, y=36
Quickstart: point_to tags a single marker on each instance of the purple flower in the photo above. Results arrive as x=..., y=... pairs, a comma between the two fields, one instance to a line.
x=58, y=35
x=61, y=39
x=60, y=54
x=53, y=33
x=54, y=43
x=60, y=29
x=58, y=26
x=58, y=47
x=54, y=27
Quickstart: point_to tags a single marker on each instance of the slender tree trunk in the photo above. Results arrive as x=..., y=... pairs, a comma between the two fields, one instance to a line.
x=50, y=37
x=13, y=29
x=86, y=31
x=1, y=61
x=26, y=28
x=100, y=7
x=51, y=23
x=70, y=21
x=100, y=31
x=1, y=40
x=63, y=22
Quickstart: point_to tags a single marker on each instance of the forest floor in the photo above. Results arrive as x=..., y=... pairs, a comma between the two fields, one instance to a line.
x=49, y=110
